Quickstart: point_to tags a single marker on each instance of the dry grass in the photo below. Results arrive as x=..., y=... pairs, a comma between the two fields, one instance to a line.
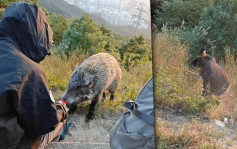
x=179, y=89
x=58, y=69
x=177, y=86
x=228, y=108
x=191, y=135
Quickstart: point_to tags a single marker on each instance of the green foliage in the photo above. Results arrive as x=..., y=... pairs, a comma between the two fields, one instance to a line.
x=84, y=36
x=210, y=23
x=59, y=25
x=196, y=38
x=221, y=18
x=178, y=12
x=109, y=38
x=5, y=3
x=155, y=5
x=176, y=85
x=134, y=49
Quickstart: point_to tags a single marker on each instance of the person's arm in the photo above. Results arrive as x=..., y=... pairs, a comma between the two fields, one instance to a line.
x=35, y=109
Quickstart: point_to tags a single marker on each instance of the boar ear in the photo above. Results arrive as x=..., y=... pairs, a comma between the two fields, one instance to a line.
x=90, y=81
x=76, y=66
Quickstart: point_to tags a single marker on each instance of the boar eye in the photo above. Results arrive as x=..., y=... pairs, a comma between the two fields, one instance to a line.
x=82, y=91
x=77, y=87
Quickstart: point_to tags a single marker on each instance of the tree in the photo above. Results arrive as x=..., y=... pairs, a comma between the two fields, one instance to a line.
x=180, y=12
x=216, y=29
x=199, y=23
x=5, y=3
x=155, y=5
x=84, y=35
x=221, y=19
x=59, y=25
x=109, y=38
x=135, y=45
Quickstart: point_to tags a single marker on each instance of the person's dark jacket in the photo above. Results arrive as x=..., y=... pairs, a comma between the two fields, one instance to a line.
x=25, y=103
x=214, y=77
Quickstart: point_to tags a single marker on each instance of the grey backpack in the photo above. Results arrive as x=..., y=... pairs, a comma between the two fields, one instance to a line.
x=135, y=128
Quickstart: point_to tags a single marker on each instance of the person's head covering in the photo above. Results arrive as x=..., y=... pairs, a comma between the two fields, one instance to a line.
x=27, y=27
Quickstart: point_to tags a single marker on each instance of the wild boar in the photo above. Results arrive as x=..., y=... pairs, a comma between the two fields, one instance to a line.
x=97, y=74
x=213, y=76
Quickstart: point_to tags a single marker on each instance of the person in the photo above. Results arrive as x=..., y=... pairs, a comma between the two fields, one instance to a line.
x=28, y=114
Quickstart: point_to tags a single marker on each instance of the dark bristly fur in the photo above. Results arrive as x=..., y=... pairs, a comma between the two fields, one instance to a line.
x=97, y=74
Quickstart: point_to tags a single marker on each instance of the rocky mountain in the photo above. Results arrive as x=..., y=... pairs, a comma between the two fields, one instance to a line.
x=66, y=9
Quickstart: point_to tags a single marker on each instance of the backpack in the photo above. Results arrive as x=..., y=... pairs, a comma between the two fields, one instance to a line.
x=135, y=128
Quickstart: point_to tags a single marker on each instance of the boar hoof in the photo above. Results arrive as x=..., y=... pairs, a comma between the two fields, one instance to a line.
x=89, y=118
x=111, y=97
x=104, y=95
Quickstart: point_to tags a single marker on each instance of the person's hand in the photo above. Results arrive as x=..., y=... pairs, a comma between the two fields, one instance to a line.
x=61, y=104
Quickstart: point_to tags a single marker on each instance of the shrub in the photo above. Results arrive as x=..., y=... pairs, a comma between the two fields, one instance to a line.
x=84, y=36
x=173, y=85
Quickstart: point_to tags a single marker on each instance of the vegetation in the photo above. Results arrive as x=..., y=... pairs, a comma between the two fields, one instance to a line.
x=59, y=25
x=179, y=89
x=182, y=28
x=199, y=23
x=190, y=135
x=4, y=4
x=132, y=81
x=77, y=39
x=177, y=86
x=63, y=8
x=83, y=38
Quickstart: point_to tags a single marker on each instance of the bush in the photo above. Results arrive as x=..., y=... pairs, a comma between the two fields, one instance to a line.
x=84, y=36
x=178, y=12
x=210, y=23
x=172, y=84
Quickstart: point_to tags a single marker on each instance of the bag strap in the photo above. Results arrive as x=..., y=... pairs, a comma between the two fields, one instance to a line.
x=131, y=105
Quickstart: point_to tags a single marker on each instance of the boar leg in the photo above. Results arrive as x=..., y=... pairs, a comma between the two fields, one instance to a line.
x=112, y=91
x=72, y=109
x=113, y=87
x=92, y=107
x=111, y=97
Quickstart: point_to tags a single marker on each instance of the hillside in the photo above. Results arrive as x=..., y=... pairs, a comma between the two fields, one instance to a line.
x=185, y=118
x=67, y=10
x=55, y=6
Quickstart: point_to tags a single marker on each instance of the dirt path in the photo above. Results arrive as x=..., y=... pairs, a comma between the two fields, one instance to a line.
x=97, y=131
x=224, y=134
